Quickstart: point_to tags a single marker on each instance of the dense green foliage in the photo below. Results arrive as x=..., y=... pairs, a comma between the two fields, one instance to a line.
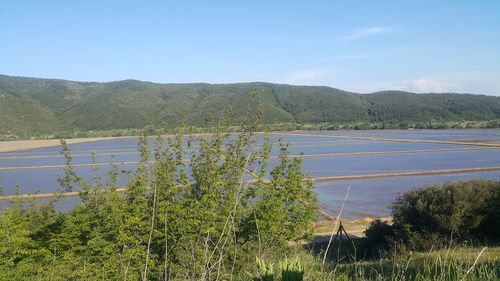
x=193, y=214
x=441, y=215
x=394, y=105
x=31, y=107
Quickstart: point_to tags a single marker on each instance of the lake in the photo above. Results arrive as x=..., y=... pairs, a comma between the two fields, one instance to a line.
x=329, y=154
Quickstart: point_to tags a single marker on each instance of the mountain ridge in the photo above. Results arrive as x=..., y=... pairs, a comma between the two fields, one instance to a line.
x=43, y=105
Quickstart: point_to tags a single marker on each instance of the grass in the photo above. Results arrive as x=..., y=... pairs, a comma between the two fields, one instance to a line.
x=443, y=265
x=458, y=263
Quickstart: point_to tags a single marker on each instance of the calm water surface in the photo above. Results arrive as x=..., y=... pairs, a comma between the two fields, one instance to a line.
x=367, y=197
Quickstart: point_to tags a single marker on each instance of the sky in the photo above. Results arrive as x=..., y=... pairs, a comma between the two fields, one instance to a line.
x=362, y=46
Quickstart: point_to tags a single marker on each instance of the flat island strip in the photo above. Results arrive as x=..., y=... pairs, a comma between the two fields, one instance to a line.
x=8, y=146
x=119, y=151
x=332, y=178
x=406, y=174
x=395, y=140
x=340, y=154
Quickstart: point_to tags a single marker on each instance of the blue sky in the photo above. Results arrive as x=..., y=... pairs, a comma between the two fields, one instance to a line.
x=363, y=46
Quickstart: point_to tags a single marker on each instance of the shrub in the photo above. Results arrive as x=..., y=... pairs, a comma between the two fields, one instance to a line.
x=380, y=237
x=437, y=216
x=462, y=211
x=385, y=239
x=265, y=271
x=193, y=220
x=291, y=270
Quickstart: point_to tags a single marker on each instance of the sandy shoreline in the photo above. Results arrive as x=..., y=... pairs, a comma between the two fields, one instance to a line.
x=9, y=146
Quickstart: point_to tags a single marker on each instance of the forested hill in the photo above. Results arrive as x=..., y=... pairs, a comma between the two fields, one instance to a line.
x=33, y=105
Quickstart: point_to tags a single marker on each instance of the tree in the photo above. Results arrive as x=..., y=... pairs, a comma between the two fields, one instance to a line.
x=203, y=208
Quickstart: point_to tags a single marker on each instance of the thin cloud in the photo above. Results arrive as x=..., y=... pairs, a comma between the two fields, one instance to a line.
x=309, y=77
x=364, y=32
x=423, y=85
x=430, y=85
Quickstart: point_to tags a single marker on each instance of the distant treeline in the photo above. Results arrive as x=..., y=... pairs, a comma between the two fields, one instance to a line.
x=33, y=107
x=77, y=133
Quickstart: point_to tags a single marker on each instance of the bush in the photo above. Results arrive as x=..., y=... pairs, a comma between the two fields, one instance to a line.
x=193, y=220
x=291, y=270
x=458, y=210
x=439, y=215
x=384, y=239
x=380, y=237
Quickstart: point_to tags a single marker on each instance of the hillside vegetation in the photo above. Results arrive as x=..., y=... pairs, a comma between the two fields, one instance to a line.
x=33, y=106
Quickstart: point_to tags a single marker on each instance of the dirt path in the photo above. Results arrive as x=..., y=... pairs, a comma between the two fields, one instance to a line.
x=355, y=228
